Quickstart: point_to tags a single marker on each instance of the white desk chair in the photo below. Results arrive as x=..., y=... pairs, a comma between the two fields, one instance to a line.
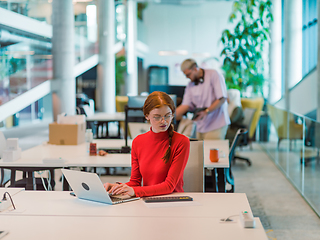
x=193, y=173
x=136, y=128
x=187, y=127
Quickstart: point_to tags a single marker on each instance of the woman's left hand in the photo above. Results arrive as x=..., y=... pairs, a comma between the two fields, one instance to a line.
x=122, y=189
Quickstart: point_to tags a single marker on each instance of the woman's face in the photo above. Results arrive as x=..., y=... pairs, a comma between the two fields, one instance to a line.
x=160, y=119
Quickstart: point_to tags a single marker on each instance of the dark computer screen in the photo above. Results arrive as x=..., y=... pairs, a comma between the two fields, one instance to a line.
x=138, y=102
x=170, y=89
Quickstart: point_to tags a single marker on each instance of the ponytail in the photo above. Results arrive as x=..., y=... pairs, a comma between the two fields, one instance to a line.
x=167, y=155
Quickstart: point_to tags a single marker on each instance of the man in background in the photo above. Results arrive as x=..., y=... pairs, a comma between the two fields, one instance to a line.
x=206, y=95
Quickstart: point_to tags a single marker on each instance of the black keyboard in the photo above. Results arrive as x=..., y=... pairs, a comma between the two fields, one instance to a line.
x=167, y=199
x=115, y=150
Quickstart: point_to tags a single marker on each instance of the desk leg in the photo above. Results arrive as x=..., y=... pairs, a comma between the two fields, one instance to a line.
x=221, y=180
x=29, y=185
x=119, y=134
x=52, y=178
x=214, y=179
x=13, y=178
x=2, y=176
x=65, y=184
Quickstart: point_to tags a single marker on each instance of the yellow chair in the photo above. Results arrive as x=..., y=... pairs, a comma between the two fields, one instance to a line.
x=121, y=102
x=279, y=119
x=255, y=103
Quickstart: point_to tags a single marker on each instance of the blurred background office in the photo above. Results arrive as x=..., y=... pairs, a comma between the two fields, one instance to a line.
x=58, y=54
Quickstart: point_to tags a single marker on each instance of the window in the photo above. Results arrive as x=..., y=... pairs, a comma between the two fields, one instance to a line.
x=309, y=36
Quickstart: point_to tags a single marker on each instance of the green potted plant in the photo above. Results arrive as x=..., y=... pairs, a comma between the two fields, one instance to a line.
x=243, y=46
x=121, y=69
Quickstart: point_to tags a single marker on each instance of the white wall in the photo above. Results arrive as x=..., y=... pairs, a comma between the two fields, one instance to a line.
x=195, y=28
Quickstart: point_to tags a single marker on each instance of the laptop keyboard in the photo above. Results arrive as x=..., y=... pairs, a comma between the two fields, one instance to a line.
x=115, y=199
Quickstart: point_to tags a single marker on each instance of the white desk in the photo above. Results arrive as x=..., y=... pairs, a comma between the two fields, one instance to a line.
x=104, y=118
x=11, y=191
x=57, y=215
x=135, y=228
x=222, y=145
x=111, y=117
x=76, y=156
x=61, y=203
x=219, y=168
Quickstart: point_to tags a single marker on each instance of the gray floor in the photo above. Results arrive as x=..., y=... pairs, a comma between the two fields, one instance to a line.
x=283, y=212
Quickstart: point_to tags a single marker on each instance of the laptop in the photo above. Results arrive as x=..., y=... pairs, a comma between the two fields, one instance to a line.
x=88, y=186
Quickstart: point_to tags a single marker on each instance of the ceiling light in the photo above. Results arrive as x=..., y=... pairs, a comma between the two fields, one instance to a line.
x=173, y=53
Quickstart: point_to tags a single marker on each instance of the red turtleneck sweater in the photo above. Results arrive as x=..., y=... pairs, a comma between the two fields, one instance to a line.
x=148, y=166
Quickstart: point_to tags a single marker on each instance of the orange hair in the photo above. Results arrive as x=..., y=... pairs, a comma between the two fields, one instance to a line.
x=158, y=99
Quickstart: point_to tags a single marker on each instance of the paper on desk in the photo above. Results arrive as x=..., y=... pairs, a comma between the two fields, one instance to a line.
x=172, y=204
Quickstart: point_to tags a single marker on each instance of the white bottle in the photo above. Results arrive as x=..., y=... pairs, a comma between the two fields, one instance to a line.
x=89, y=138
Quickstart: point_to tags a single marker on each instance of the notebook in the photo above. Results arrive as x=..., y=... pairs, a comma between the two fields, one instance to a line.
x=88, y=186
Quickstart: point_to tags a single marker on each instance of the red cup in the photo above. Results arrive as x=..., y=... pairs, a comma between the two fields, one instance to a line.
x=214, y=155
x=93, y=149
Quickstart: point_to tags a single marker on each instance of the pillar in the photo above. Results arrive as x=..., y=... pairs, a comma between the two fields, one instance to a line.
x=106, y=67
x=132, y=62
x=293, y=46
x=64, y=86
x=275, y=53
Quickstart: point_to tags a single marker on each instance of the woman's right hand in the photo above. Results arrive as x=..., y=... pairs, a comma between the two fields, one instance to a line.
x=108, y=186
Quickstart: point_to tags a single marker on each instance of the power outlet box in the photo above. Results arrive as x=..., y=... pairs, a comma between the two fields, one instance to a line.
x=4, y=205
x=247, y=220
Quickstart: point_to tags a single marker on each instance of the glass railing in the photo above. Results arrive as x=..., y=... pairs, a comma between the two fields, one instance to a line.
x=22, y=67
x=293, y=144
x=84, y=48
x=39, y=10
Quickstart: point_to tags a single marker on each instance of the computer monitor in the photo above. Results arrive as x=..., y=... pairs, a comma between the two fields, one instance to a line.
x=169, y=89
x=135, y=102
x=138, y=102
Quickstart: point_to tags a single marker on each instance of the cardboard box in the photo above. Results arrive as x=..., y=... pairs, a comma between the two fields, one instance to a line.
x=67, y=134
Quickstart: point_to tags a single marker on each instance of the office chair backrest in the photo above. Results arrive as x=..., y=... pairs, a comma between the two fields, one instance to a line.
x=229, y=175
x=193, y=173
x=241, y=131
x=248, y=117
x=256, y=103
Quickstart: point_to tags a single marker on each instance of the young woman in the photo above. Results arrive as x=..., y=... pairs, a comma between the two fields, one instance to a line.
x=158, y=156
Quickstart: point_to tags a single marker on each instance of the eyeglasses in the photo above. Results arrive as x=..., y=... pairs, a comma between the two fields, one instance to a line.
x=159, y=118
